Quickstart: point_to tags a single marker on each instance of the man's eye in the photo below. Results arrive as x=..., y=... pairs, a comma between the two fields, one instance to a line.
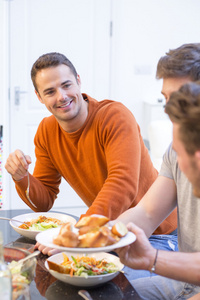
x=67, y=85
x=49, y=93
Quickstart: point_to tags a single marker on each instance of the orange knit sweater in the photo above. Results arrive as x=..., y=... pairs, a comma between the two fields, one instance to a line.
x=105, y=162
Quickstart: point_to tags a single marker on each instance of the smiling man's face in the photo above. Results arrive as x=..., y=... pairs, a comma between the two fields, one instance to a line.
x=60, y=91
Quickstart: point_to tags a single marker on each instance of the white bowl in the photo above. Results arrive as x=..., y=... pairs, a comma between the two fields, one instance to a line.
x=31, y=234
x=90, y=280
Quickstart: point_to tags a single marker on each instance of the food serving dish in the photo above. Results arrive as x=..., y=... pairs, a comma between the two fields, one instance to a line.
x=46, y=238
x=83, y=281
x=31, y=234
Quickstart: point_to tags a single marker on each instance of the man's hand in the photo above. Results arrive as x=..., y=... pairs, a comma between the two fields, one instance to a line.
x=140, y=254
x=17, y=164
x=46, y=250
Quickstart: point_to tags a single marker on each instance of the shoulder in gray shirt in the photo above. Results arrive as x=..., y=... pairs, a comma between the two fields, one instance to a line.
x=188, y=206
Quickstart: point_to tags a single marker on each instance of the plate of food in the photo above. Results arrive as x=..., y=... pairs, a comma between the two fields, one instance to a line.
x=84, y=270
x=89, y=235
x=38, y=222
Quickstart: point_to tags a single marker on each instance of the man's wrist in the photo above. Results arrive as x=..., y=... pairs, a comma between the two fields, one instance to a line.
x=153, y=266
x=17, y=180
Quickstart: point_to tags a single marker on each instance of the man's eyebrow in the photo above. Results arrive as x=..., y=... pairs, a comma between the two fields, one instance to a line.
x=47, y=90
x=67, y=81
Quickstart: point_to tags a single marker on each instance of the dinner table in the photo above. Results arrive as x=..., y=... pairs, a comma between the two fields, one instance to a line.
x=44, y=285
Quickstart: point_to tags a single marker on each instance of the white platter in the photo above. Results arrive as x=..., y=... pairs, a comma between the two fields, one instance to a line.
x=46, y=238
x=28, y=217
x=90, y=280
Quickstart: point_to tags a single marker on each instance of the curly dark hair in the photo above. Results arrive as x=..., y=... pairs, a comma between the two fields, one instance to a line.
x=183, y=108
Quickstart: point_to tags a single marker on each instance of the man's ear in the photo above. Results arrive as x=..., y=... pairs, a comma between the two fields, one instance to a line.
x=78, y=79
x=38, y=95
x=197, y=156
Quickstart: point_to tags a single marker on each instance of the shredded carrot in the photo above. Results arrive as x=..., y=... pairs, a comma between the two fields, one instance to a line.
x=65, y=257
x=71, y=272
x=100, y=265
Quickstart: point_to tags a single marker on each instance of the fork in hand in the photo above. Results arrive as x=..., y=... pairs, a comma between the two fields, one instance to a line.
x=27, y=191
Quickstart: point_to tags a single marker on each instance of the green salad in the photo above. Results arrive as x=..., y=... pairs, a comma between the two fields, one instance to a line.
x=85, y=266
x=18, y=275
x=43, y=226
x=41, y=223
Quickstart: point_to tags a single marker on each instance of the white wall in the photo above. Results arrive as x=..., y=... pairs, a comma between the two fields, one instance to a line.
x=3, y=89
x=143, y=31
x=1, y=59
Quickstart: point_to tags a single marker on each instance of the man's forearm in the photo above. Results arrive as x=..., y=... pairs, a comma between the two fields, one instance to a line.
x=41, y=198
x=179, y=266
x=138, y=216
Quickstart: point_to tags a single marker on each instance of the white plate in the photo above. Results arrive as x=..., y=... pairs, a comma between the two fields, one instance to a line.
x=90, y=280
x=28, y=217
x=46, y=239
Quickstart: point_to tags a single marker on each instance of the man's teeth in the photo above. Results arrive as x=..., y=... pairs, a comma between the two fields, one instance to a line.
x=66, y=104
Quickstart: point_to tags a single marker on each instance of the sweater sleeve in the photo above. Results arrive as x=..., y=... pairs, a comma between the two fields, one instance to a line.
x=127, y=158
x=44, y=184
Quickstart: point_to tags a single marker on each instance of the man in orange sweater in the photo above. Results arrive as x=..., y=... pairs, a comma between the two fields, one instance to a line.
x=95, y=146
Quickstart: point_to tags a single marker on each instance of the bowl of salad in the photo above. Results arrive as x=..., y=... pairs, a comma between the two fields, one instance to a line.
x=37, y=222
x=21, y=272
x=84, y=270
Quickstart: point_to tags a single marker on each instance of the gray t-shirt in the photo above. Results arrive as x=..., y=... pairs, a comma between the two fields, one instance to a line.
x=188, y=206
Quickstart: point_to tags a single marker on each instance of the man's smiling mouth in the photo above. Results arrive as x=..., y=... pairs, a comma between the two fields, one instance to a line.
x=66, y=104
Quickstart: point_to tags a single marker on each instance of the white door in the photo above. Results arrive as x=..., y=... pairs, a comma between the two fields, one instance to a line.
x=77, y=28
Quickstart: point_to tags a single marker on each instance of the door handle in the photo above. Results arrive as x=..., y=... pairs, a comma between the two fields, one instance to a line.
x=17, y=95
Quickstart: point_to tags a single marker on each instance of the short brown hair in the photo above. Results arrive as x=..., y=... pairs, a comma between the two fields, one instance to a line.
x=183, y=61
x=183, y=108
x=49, y=60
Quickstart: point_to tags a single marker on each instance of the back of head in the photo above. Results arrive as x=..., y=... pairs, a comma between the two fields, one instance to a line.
x=183, y=61
x=48, y=60
x=183, y=108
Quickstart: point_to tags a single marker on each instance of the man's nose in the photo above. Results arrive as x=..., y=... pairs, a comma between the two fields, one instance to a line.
x=61, y=95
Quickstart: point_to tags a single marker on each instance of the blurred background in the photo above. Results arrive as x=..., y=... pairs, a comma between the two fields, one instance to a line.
x=115, y=46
